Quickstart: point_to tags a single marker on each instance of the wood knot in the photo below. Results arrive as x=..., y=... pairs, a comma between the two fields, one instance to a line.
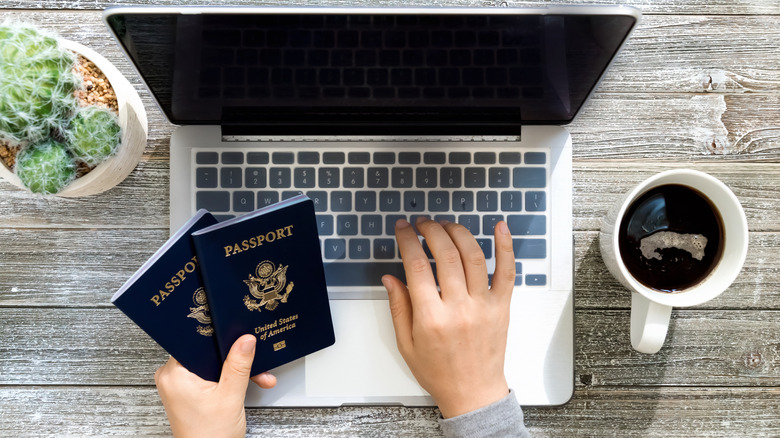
x=752, y=360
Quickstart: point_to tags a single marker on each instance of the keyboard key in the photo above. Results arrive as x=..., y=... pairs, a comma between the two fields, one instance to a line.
x=474, y=177
x=243, y=201
x=471, y=222
x=359, y=248
x=535, y=201
x=426, y=177
x=434, y=158
x=335, y=249
x=536, y=280
x=414, y=200
x=535, y=158
x=462, y=201
x=445, y=217
x=384, y=158
x=438, y=200
x=384, y=249
x=377, y=177
x=206, y=177
x=359, y=157
x=308, y=158
x=266, y=198
x=401, y=177
x=511, y=201
x=319, y=198
x=333, y=157
x=487, y=247
x=257, y=157
x=254, y=177
x=390, y=221
x=232, y=158
x=415, y=217
x=353, y=177
x=324, y=224
x=212, y=201
x=304, y=177
x=283, y=157
x=206, y=158
x=287, y=194
x=484, y=158
x=361, y=273
x=489, y=222
x=328, y=178
x=509, y=158
x=409, y=158
x=371, y=225
x=340, y=201
x=223, y=217
x=460, y=158
x=365, y=200
x=347, y=225
x=498, y=177
x=487, y=201
x=451, y=177
x=279, y=177
x=530, y=248
x=529, y=177
x=389, y=201
x=230, y=177
x=527, y=224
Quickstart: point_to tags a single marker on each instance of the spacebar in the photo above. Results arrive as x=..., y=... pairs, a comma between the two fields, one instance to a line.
x=361, y=273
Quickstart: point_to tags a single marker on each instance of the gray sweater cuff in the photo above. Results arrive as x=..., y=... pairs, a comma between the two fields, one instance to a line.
x=503, y=418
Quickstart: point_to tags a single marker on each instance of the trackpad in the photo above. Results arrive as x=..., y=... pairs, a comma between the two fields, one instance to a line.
x=364, y=361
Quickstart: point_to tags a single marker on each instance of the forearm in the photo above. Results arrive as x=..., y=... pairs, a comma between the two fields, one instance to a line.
x=501, y=419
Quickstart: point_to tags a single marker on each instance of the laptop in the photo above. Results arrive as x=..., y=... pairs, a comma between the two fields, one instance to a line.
x=378, y=114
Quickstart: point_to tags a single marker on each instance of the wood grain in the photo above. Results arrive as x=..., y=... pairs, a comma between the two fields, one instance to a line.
x=604, y=412
x=86, y=346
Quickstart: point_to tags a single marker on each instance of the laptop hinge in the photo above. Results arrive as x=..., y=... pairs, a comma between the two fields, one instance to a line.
x=234, y=133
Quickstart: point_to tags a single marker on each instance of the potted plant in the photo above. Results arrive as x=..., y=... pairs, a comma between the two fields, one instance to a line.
x=70, y=123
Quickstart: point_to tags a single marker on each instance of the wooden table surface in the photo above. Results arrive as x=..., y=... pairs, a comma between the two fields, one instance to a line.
x=698, y=86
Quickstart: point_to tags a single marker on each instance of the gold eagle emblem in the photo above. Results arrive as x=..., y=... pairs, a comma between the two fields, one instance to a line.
x=201, y=312
x=266, y=286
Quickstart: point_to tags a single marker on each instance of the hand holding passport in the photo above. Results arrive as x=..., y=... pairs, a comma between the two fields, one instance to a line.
x=260, y=273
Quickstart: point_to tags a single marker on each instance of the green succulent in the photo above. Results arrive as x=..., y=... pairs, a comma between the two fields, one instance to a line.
x=94, y=135
x=45, y=167
x=37, y=83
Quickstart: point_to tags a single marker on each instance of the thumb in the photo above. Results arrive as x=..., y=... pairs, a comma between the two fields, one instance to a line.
x=400, y=311
x=235, y=371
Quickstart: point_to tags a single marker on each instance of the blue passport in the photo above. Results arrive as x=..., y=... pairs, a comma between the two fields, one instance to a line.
x=165, y=297
x=263, y=275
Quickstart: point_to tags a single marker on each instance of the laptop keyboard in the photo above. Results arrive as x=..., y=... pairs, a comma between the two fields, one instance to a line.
x=359, y=195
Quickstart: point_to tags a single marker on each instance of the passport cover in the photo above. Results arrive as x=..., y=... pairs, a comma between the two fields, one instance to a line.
x=263, y=275
x=165, y=297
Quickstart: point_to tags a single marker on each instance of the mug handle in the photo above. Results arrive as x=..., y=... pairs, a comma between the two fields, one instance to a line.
x=649, y=323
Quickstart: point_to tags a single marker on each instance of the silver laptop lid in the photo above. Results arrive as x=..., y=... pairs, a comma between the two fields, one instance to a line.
x=407, y=71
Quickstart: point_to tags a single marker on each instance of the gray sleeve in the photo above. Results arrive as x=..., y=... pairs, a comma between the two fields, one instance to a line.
x=501, y=419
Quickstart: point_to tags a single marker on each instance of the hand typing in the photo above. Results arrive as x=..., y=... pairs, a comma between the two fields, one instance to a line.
x=454, y=341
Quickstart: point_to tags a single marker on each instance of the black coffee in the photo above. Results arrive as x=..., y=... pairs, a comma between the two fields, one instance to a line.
x=671, y=238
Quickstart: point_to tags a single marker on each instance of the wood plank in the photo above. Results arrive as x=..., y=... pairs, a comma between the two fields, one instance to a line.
x=624, y=412
x=84, y=346
x=84, y=267
x=703, y=348
x=694, y=7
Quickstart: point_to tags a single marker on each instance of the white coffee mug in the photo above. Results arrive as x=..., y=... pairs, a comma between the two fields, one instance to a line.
x=650, y=308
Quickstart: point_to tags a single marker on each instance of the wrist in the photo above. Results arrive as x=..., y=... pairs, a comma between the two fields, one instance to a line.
x=454, y=405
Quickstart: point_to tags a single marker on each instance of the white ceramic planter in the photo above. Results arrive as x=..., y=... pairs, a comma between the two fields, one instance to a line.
x=132, y=120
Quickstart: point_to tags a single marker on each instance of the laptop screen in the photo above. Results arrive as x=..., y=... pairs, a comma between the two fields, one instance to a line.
x=310, y=71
